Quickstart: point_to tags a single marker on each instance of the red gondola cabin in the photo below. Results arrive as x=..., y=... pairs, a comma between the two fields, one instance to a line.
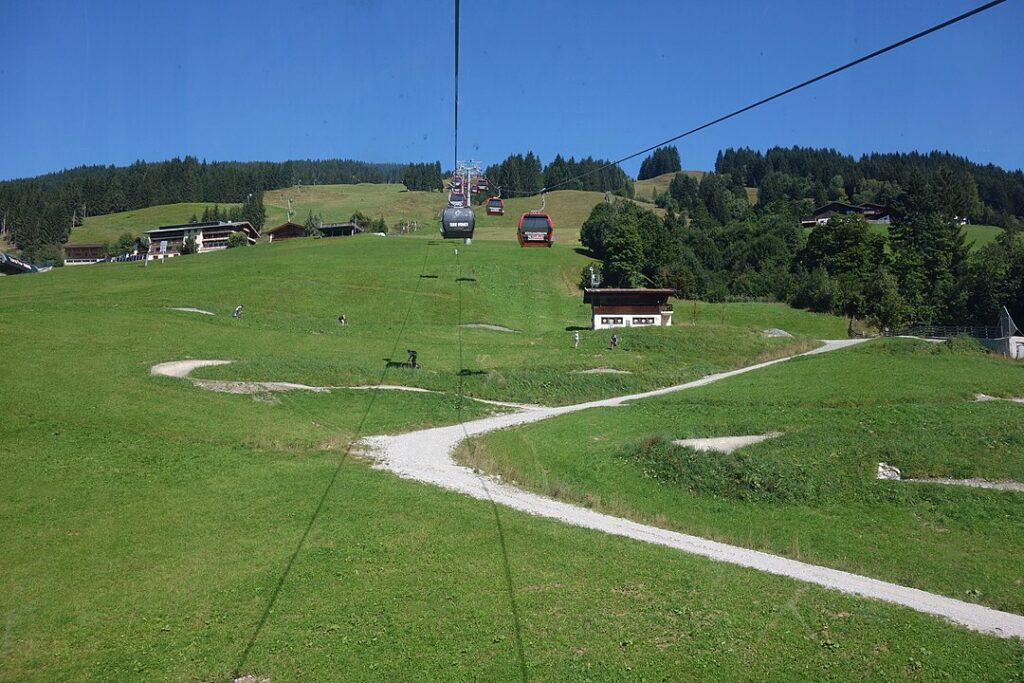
x=536, y=230
x=495, y=206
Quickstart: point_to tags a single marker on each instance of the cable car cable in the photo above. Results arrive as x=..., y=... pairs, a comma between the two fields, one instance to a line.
x=832, y=72
x=506, y=566
x=264, y=616
x=456, y=84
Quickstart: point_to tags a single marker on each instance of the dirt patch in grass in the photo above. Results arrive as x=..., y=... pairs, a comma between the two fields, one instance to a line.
x=187, y=309
x=604, y=371
x=725, y=444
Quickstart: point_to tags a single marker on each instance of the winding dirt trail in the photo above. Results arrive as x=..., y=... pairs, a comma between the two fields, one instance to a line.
x=426, y=456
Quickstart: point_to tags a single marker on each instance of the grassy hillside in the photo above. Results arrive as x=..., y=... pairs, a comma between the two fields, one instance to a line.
x=811, y=494
x=568, y=208
x=108, y=227
x=146, y=525
x=645, y=189
x=979, y=235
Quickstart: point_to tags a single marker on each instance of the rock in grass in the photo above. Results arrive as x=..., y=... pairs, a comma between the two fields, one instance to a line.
x=888, y=472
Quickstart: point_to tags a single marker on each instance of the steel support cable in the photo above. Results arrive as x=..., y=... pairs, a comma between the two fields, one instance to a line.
x=462, y=397
x=860, y=60
x=509, y=587
x=456, y=85
x=264, y=616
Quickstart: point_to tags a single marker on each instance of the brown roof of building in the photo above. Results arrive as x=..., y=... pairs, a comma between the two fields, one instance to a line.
x=286, y=224
x=611, y=296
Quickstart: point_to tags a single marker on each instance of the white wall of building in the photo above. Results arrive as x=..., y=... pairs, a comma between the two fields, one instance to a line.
x=612, y=320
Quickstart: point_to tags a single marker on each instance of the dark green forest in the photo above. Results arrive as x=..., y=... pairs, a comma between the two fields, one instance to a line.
x=821, y=175
x=39, y=211
x=524, y=175
x=713, y=245
x=663, y=160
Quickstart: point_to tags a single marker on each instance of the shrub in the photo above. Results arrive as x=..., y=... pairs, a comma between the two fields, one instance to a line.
x=238, y=239
x=729, y=475
x=189, y=246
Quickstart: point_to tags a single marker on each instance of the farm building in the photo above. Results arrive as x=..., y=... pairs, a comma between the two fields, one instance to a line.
x=212, y=236
x=1010, y=341
x=340, y=229
x=872, y=213
x=286, y=231
x=79, y=254
x=629, y=307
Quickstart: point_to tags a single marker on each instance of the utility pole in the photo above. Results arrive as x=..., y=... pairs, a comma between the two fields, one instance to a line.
x=290, y=212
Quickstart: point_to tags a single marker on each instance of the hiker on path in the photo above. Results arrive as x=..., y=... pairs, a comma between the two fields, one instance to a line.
x=575, y=340
x=237, y=312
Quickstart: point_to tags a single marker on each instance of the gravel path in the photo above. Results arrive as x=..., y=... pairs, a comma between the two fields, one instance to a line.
x=488, y=326
x=1006, y=485
x=426, y=456
x=181, y=369
x=187, y=309
x=986, y=397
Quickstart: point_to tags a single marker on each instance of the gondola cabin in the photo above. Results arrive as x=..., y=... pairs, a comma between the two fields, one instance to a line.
x=456, y=199
x=536, y=230
x=495, y=206
x=457, y=222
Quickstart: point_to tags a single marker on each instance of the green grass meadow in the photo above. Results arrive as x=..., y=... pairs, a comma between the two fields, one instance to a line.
x=811, y=494
x=108, y=227
x=154, y=531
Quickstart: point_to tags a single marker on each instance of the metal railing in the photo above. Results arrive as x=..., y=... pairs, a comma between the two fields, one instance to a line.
x=946, y=331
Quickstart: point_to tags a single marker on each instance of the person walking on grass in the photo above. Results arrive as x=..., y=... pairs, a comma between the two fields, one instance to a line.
x=237, y=312
x=576, y=340
x=615, y=341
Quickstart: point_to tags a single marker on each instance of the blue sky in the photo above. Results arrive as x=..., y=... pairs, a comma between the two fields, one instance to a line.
x=110, y=82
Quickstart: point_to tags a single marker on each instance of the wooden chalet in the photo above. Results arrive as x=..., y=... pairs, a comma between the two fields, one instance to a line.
x=167, y=241
x=629, y=307
x=872, y=213
x=340, y=229
x=80, y=254
x=286, y=231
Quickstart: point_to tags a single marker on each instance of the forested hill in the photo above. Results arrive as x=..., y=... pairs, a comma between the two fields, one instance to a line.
x=825, y=174
x=523, y=174
x=40, y=210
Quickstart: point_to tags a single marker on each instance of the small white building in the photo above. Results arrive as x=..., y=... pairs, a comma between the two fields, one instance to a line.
x=629, y=307
x=1010, y=342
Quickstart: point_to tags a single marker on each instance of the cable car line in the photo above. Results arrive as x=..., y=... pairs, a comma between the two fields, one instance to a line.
x=506, y=566
x=265, y=615
x=456, y=84
x=832, y=72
